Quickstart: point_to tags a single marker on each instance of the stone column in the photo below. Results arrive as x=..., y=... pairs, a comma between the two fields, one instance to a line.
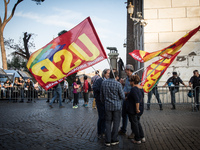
x=113, y=59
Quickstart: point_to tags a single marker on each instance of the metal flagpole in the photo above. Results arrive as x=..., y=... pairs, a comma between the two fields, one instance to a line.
x=111, y=68
x=138, y=70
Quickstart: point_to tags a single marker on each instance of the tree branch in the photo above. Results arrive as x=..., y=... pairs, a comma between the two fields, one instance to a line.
x=12, y=14
x=17, y=53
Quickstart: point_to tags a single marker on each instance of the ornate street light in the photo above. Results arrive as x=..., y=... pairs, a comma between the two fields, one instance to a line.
x=140, y=20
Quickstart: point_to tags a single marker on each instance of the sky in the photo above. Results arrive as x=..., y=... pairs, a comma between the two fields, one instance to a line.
x=52, y=16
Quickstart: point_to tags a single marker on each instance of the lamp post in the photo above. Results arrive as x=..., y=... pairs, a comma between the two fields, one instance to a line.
x=135, y=31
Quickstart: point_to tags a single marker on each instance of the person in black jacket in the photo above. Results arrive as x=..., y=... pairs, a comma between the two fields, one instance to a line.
x=195, y=84
x=100, y=104
x=135, y=109
x=173, y=83
x=29, y=86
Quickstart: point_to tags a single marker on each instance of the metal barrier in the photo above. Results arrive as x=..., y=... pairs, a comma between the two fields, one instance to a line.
x=166, y=95
x=17, y=94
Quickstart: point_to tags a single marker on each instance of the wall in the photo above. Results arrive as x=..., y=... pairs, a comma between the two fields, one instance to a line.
x=169, y=20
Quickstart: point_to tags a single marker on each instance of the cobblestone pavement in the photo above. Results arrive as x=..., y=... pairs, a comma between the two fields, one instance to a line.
x=35, y=126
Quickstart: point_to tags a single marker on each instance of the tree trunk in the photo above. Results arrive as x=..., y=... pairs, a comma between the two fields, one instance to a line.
x=3, y=51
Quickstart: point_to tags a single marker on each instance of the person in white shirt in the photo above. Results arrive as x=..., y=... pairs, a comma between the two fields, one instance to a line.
x=65, y=87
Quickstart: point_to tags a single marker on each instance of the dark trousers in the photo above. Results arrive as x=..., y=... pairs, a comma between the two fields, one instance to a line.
x=30, y=95
x=173, y=98
x=101, y=118
x=136, y=126
x=196, y=97
x=85, y=96
x=155, y=92
x=124, y=117
x=112, y=119
x=75, y=99
x=15, y=96
x=65, y=94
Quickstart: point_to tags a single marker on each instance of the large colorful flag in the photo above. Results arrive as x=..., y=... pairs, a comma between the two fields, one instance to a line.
x=167, y=52
x=72, y=51
x=154, y=72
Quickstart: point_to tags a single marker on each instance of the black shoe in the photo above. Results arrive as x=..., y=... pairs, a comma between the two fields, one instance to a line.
x=173, y=108
x=161, y=108
x=121, y=132
x=148, y=108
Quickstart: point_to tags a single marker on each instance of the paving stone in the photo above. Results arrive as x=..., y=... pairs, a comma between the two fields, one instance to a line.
x=35, y=126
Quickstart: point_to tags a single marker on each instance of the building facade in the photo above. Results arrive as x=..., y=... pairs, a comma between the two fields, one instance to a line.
x=168, y=21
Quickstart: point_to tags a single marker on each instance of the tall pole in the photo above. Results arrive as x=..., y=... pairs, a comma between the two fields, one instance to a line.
x=135, y=36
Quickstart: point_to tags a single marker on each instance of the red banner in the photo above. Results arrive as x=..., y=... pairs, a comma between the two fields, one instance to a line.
x=154, y=72
x=167, y=52
x=67, y=54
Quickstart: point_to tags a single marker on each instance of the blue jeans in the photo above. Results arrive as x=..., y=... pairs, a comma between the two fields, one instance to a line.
x=57, y=94
x=124, y=117
x=22, y=94
x=173, y=98
x=136, y=126
x=101, y=119
x=155, y=92
x=112, y=117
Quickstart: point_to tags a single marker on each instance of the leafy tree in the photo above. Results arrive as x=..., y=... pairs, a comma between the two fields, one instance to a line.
x=17, y=63
x=3, y=23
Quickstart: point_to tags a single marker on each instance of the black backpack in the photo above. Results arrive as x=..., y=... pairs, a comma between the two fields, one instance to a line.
x=89, y=87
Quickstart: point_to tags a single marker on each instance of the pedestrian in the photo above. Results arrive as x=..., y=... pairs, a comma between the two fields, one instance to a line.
x=195, y=84
x=58, y=95
x=85, y=91
x=7, y=85
x=78, y=81
x=93, y=79
x=100, y=104
x=112, y=95
x=173, y=83
x=15, y=90
x=29, y=86
x=75, y=92
x=127, y=89
x=21, y=87
x=65, y=88
x=155, y=92
x=49, y=94
x=36, y=90
x=135, y=108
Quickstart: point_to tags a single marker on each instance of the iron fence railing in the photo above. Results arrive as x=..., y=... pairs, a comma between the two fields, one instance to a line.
x=165, y=95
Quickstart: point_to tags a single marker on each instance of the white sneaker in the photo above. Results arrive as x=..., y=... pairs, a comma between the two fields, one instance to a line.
x=143, y=140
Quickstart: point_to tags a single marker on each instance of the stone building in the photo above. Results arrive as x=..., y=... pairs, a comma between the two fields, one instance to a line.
x=168, y=21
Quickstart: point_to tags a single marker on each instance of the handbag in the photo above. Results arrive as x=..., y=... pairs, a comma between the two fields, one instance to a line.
x=190, y=94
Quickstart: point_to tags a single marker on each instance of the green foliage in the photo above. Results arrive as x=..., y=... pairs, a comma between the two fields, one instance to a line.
x=17, y=63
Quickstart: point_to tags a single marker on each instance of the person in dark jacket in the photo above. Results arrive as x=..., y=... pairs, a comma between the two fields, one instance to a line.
x=100, y=104
x=195, y=84
x=135, y=108
x=173, y=83
x=29, y=86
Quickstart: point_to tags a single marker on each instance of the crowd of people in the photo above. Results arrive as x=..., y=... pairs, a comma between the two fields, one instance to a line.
x=114, y=99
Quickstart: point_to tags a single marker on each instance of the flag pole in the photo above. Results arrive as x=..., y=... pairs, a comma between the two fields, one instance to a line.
x=138, y=70
x=152, y=71
x=111, y=68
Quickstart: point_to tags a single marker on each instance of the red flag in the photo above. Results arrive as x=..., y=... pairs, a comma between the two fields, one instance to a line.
x=167, y=52
x=69, y=53
x=154, y=72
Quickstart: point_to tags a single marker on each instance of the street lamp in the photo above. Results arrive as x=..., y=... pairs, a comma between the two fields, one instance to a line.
x=140, y=20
